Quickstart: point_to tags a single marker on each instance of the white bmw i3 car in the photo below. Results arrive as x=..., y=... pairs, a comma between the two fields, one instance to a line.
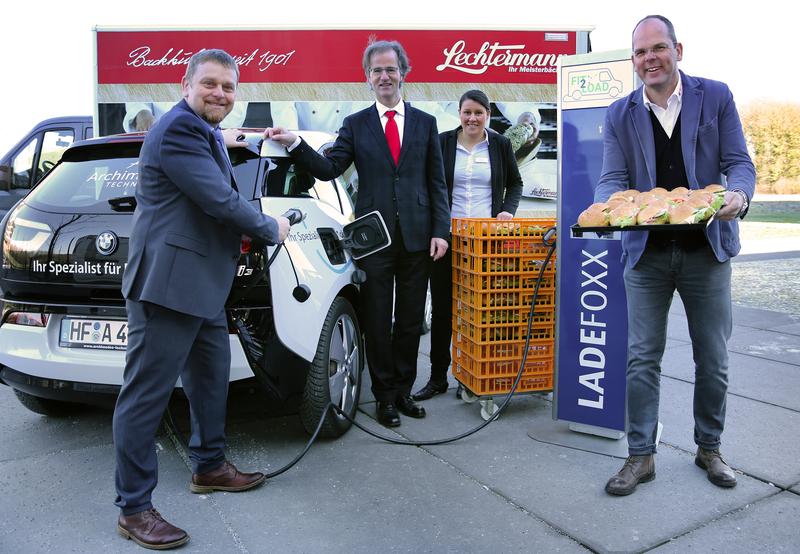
x=293, y=323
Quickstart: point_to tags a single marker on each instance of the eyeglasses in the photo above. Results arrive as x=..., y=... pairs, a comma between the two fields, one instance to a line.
x=656, y=50
x=390, y=71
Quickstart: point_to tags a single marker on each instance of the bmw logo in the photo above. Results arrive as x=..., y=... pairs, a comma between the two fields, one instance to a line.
x=106, y=243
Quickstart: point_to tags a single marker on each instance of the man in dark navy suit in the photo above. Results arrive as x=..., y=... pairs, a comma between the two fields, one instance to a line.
x=183, y=251
x=396, y=152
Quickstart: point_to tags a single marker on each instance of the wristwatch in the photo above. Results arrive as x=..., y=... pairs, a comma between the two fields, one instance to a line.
x=745, y=203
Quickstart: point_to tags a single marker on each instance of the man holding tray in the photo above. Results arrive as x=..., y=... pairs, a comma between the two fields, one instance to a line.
x=676, y=130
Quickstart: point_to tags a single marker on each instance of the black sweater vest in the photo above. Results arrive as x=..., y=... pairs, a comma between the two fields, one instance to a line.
x=670, y=174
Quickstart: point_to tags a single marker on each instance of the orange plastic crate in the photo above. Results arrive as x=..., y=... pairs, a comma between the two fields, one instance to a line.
x=514, y=264
x=518, y=282
x=503, y=368
x=482, y=317
x=546, y=298
x=501, y=385
x=475, y=227
x=499, y=246
x=495, y=269
x=502, y=351
x=501, y=333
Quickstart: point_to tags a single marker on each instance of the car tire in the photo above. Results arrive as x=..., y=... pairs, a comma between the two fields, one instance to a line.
x=46, y=406
x=335, y=374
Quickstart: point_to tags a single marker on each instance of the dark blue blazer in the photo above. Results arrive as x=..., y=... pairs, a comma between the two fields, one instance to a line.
x=413, y=191
x=506, y=180
x=189, y=219
x=713, y=146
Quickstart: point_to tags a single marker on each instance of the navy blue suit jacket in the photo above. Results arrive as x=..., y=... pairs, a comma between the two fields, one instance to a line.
x=506, y=180
x=414, y=190
x=189, y=219
x=713, y=146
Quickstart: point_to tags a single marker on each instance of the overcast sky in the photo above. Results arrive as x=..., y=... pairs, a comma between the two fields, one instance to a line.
x=48, y=46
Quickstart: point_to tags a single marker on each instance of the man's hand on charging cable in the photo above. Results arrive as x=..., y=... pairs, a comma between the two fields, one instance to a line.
x=283, y=228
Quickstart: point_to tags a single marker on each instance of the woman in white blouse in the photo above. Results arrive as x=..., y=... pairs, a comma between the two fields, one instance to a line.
x=483, y=181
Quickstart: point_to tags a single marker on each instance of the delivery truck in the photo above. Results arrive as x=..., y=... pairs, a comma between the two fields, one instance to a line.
x=36, y=153
x=311, y=79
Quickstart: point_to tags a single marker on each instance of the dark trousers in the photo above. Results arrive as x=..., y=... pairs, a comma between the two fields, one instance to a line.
x=163, y=345
x=441, y=317
x=392, y=348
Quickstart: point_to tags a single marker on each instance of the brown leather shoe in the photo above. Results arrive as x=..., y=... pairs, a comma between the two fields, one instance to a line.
x=719, y=472
x=150, y=530
x=225, y=478
x=637, y=469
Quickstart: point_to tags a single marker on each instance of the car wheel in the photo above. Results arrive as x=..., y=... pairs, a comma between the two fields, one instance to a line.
x=47, y=406
x=335, y=374
x=426, y=320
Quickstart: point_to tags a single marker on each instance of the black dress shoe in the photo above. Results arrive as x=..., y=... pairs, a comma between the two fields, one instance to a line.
x=387, y=414
x=410, y=408
x=429, y=391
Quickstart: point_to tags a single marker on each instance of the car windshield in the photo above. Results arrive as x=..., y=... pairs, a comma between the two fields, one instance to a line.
x=86, y=186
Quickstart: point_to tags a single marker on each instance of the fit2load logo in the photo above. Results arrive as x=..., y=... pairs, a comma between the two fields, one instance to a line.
x=496, y=55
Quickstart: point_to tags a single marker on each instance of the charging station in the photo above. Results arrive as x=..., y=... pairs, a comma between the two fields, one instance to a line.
x=591, y=329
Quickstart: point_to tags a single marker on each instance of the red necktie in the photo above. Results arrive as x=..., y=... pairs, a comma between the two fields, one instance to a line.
x=393, y=135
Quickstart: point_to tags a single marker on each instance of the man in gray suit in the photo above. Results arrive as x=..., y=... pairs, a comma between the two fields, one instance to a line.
x=183, y=251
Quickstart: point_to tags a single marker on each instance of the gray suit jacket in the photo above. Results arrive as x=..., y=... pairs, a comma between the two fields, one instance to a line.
x=187, y=227
x=713, y=146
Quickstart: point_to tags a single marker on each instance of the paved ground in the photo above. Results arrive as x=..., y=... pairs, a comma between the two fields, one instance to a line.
x=497, y=491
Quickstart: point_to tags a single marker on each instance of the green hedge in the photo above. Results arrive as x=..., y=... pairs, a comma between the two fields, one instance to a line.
x=773, y=136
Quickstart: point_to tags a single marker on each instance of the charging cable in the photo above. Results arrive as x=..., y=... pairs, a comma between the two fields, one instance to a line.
x=548, y=240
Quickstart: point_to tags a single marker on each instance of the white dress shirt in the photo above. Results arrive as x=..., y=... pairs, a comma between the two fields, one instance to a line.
x=667, y=117
x=472, y=181
x=399, y=117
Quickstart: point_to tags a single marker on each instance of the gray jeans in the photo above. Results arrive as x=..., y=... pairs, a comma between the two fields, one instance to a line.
x=704, y=285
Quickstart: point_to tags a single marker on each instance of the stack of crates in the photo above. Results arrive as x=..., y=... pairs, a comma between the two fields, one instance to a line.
x=495, y=268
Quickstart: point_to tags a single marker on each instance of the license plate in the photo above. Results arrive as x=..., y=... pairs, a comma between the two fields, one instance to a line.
x=102, y=334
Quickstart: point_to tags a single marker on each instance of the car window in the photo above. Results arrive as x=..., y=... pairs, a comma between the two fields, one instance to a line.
x=245, y=168
x=23, y=165
x=86, y=185
x=284, y=178
x=53, y=145
x=349, y=183
x=342, y=191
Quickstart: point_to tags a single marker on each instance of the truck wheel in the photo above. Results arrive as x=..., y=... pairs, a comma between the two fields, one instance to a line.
x=46, y=406
x=335, y=374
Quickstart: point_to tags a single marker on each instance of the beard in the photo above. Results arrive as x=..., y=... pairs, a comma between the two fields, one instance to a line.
x=214, y=115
